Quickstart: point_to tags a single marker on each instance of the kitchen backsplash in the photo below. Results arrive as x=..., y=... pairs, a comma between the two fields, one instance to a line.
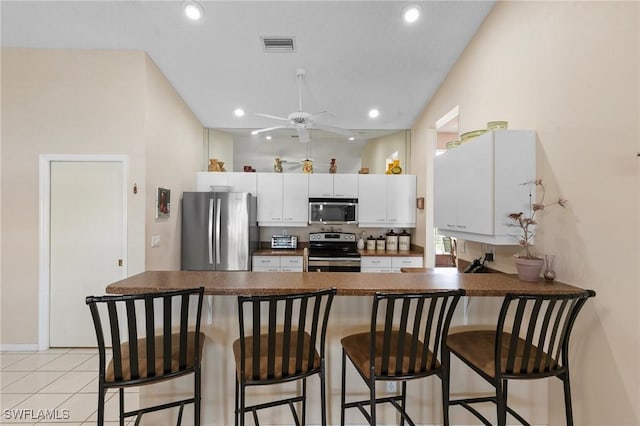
x=303, y=233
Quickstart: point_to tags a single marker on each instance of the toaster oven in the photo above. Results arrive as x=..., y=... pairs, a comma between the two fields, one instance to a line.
x=284, y=242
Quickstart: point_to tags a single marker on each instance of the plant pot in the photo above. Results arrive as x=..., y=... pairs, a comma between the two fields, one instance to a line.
x=529, y=269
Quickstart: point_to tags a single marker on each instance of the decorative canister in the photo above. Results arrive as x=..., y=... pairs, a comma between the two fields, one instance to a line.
x=371, y=243
x=392, y=241
x=380, y=242
x=404, y=241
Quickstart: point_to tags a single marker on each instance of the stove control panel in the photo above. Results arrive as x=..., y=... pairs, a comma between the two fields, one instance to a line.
x=339, y=237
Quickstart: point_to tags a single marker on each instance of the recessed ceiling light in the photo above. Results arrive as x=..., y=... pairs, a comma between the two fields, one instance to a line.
x=268, y=138
x=193, y=10
x=374, y=113
x=411, y=13
x=351, y=138
x=239, y=112
x=254, y=132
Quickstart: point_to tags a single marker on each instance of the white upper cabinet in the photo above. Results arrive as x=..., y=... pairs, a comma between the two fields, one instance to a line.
x=237, y=181
x=372, y=200
x=401, y=200
x=477, y=185
x=387, y=201
x=283, y=199
x=326, y=185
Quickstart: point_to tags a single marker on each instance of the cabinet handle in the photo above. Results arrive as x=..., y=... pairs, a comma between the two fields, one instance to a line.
x=449, y=225
x=462, y=226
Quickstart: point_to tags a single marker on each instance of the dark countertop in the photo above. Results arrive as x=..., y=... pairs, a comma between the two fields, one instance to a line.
x=347, y=283
x=410, y=253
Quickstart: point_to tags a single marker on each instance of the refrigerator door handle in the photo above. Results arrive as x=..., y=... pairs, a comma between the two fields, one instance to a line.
x=211, y=231
x=218, y=231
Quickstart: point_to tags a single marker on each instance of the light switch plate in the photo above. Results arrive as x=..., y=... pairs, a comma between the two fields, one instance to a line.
x=155, y=241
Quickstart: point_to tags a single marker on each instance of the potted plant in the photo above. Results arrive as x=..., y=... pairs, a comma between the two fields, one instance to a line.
x=528, y=264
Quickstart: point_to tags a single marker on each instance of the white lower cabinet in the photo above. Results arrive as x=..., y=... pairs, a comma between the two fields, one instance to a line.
x=277, y=263
x=389, y=263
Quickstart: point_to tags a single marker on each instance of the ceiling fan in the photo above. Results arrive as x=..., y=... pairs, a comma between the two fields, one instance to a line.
x=301, y=121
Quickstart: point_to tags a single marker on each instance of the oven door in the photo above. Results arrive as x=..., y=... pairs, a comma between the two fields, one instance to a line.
x=333, y=264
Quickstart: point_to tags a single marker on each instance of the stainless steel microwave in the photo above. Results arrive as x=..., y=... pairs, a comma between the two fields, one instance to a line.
x=333, y=211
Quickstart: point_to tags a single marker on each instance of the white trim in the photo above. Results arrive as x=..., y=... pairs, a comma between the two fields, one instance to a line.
x=44, y=230
x=448, y=117
x=20, y=347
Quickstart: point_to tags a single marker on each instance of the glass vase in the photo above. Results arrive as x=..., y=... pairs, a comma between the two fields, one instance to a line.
x=549, y=272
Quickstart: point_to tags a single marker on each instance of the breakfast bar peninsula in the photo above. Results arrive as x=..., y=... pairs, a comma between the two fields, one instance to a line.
x=350, y=314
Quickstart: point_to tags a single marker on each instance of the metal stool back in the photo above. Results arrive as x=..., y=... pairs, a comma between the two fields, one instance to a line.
x=408, y=333
x=531, y=341
x=286, y=342
x=151, y=341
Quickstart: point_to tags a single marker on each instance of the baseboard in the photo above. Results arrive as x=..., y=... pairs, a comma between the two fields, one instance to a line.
x=21, y=347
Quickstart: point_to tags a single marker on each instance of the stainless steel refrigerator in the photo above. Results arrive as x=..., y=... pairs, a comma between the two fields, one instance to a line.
x=219, y=231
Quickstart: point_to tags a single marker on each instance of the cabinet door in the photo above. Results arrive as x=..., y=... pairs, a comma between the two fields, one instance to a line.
x=290, y=263
x=266, y=264
x=405, y=262
x=401, y=200
x=243, y=182
x=475, y=212
x=295, y=199
x=345, y=185
x=445, y=190
x=320, y=185
x=270, y=197
x=372, y=203
x=204, y=180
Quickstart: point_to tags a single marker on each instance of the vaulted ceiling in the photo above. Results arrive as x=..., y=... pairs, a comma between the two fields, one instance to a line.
x=357, y=55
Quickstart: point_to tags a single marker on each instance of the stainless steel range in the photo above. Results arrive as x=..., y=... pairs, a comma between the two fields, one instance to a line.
x=333, y=252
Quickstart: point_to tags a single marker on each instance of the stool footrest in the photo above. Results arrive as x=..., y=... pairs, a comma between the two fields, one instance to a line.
x=465, y=403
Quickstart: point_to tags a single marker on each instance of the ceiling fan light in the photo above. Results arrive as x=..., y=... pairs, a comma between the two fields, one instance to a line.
x=411, y=13
x=238, y=112
x=193, y=10
x=374, y=113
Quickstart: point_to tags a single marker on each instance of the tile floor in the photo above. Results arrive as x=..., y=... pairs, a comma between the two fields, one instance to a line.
x=57, y=386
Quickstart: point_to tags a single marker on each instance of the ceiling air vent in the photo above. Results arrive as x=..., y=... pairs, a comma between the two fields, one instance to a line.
x=278, y=44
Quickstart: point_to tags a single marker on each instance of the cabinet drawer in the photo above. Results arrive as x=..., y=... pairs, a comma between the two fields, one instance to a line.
x=406, y=262
x=375, y=262
x=266, y=262
x=290, y=261
x=291, y=268
x=375, y=270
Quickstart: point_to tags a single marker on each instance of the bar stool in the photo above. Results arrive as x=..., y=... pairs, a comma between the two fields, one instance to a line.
x=143, y=355
x=408, y=331
x=291, y=347
x=500, y=355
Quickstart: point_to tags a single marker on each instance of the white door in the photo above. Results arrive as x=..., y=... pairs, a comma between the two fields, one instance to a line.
x=86, y=244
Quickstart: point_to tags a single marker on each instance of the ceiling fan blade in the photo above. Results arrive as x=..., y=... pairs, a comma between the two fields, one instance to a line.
x=275, y=117
x=319, y=114
x=267, y=129
x=303, y=134
x=332, y=129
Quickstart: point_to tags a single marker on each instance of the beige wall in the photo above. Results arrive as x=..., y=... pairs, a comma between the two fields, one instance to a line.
x=378, y=150
x=83, y=102
x=569, y=70
x=174, y=138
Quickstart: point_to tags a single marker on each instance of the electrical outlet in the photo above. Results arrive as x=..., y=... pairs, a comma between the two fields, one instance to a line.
x=490, y=253
x=155, y=241
x=392, y=386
